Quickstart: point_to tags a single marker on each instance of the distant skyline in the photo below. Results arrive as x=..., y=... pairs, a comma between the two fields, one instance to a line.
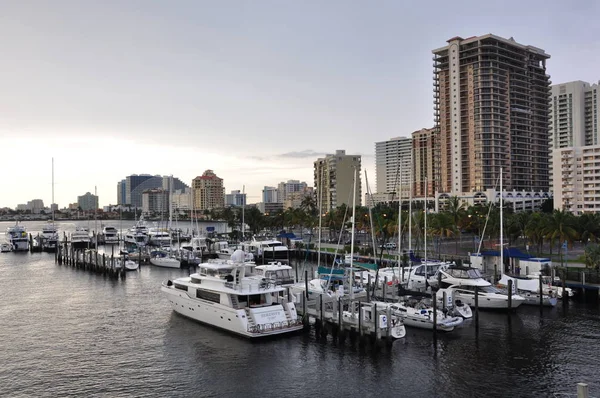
x=255, y=91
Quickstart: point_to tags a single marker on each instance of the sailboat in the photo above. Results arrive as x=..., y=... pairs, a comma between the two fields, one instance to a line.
x=164, y=257
x=49, y=238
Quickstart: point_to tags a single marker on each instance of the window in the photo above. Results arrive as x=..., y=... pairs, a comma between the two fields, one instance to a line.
x=208, y=296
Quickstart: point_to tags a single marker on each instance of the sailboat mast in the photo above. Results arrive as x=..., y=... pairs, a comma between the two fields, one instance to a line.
x=243, y=210
x=410, y=190
x=320, y=214
x=170, y=199
x=52, y=205
x=400, y=217
x=352, y=233
x=425, y=229
x=96, y=218
x=501, y=228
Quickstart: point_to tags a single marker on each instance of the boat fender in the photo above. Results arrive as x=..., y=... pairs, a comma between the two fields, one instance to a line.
x=458, y=303
x=169, y=283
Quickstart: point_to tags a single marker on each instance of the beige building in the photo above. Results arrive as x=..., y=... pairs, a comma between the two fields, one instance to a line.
x=208, y=191
x=393, y=165
x=334, y=179
x=423, y=142
x=155, y=201
x=491, y=112
x=576, y=179
x=294, y=199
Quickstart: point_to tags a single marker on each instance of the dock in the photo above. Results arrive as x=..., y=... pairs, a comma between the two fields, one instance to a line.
x=89, y=260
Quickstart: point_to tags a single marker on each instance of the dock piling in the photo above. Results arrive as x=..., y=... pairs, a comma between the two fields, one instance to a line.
x=582, y=390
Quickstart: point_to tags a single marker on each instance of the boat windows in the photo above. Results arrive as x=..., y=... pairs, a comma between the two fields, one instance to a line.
x=208, y=296
x=180, y=287
x=196, y=280
x=489, y=289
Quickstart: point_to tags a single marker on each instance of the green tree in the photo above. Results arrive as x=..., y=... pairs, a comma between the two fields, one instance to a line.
x=592, y=256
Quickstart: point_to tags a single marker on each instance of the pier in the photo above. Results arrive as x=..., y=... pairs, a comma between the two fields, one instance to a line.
x=89, y=260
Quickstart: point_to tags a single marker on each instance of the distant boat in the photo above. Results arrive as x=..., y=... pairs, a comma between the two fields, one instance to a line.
x=49, y=237
x=17, y=238
x=80, y=238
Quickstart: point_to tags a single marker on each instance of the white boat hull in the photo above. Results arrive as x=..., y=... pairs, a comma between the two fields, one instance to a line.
x=534, y=299
x=490, y=303
x=166, y=262
x=242, y=322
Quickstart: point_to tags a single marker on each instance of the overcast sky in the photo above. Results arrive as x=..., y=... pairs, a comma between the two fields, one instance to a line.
x=255, y=90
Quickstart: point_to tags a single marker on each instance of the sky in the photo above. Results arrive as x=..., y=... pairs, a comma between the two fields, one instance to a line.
x=254, y=90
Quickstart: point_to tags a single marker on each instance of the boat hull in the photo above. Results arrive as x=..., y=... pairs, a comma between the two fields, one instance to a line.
x=165, y=262
x=489, y=304
x=222, y=317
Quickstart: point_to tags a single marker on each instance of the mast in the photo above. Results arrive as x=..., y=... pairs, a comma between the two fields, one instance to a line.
x=352, y=233
x=501, y=229
x=96, y=218
x=243, y=210
x=425, y=229
x=400, y=218
x=410, y=208
x=320, y=214
x=170, y=204
x=52, y=205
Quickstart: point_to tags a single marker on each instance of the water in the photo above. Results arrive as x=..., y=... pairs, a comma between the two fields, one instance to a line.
x=67, y=332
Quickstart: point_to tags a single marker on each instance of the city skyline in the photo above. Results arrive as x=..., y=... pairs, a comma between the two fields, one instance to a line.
x=255, y=92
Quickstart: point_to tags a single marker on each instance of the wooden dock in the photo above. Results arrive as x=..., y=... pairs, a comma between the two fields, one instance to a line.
x=89, y=260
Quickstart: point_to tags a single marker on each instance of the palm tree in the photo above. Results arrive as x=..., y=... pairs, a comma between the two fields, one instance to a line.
x=455, y=208
x=592, y=256
x=560, y=227
x=441, y=226
x=589, y=227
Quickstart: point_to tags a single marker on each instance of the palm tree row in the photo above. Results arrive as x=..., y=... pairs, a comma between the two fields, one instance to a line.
x=538, y=230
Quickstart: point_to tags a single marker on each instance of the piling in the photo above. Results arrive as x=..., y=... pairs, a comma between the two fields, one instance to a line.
x=434, y=317
x=583, y=282
x=384, y=288
x=541, y=292
x=389, y=324
x=582, y=390
x=476, y=307
x=369, y=288
x=445, y=298
x=360, y=332
x=565, y=297
x=510, y=286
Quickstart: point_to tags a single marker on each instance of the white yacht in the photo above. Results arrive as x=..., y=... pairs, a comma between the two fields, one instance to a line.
x=111, y=235
x=224, y=251
x=276, y=272
x=80, y=238
x=137, y=236
x=416, y=313
x=197, y=245
x=17, y=237
x=463, y=280
x=376, y=311
x=159, y=237
x=163, y=258
x=226, y=295
x=529, y=289
x=269, y=250
x=49, y=237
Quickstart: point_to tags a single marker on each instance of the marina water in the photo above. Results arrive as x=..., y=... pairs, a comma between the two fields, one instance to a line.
x=68, y=332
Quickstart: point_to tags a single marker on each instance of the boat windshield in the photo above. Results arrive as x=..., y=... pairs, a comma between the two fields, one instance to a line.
x=470, y=273
x=277, y=244
x=489, y=289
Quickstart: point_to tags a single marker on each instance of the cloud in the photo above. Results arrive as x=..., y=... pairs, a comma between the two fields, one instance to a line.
x=307, y=153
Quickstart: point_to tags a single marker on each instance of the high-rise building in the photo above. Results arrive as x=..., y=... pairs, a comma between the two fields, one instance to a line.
x=87, y=202
x=134, y=185
x=35, y=205
x=269, y=195
x=155, y=201
x=393, y=165
x=491, y=112
x=181, y=200
x=334, y=179
x=574, y=111
x=208, y=191
x=574, y=123
x=235, y=198
x=285, y=189
x=423, y=167
x=576, y=179
x=294, y=199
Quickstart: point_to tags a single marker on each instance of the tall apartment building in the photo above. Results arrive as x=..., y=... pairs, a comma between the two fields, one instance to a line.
x=208, y=191
x=574, y=110
x=334, y=179
x=393, y=165
x=491, y=111
x=132, y=187
x=270, y=195
x=35, y=205
x=285, y=189
x=423, y=166
x=87, y=202
x=155, y=201
x=576, y=179
x=181, y=200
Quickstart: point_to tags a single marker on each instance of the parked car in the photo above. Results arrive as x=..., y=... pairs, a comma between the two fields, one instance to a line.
x=389, y=246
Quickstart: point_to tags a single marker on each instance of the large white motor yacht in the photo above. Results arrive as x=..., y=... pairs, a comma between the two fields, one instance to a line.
x=159, y=237
x=17, y=237
x=80, y=238
x=269, y=250
x=137, y=236
x=226, y=294
x=463, y=281
x=49, y=237
x=225, y=251
x=111, y=235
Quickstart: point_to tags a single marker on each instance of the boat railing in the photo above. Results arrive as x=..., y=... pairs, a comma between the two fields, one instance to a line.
x=249, y=286
x=274, y=326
